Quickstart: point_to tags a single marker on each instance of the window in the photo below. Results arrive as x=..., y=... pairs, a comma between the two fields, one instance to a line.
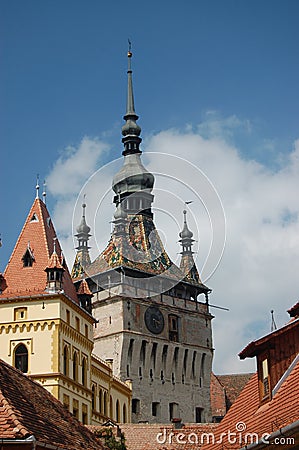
x=20, y=313
x=101, y=401
x=84, y=371
x=124, y=413
x=66, y=401
x=68, y=318
x=84, y=414
x=111, y=407
x=76, y=408
x=173, y=325
x=93, y=396
x=135, y=406
x=173, y=411
x=198, y=415
x=66, y=361
x=105, y=403
x=21, y=358
x=75, y=366
x=77, y=320
x=117, y=411
x=155, y=408
x=28, y=258
x=86, y=330
x=265, y=378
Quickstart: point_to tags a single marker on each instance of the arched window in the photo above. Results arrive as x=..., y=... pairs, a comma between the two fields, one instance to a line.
x=65, y=360
x=117, y=412
x=21, y=358
x=124, y=413
x=75, y=366
x=84, y=371
x=105, y=403
x=101, y=400
x=93, y=396
x=111, y=408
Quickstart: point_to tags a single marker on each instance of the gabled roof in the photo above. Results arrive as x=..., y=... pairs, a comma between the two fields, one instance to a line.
x=254, y=347
x=38, y=235
x=27, y=409
x=246, y=413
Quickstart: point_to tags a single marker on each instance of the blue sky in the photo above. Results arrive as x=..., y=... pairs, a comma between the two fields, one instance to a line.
x=226, y=70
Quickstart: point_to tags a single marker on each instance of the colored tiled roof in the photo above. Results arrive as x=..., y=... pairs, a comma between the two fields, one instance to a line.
x=38, y=235
x=27, y=409
x=246, y=412
x=141, y=249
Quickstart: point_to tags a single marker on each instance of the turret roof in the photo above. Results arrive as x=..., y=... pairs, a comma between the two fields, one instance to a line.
x=37, y=238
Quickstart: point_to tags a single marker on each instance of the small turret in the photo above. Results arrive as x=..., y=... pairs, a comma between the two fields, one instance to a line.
x=54, y=272
x=85, y=295
x=83, y=234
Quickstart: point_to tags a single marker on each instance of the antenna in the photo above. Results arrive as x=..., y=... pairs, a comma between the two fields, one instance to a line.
x=273, y=323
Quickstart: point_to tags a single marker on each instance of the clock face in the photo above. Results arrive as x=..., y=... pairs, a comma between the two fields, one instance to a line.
x=154, y=320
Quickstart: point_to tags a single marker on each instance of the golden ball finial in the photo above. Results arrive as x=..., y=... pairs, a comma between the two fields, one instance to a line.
x=129, y=54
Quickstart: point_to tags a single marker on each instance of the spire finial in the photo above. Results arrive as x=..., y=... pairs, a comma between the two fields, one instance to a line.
x=54, y=244
x=84, y=205
x=44, y=191
x=129, y=48
x=37, y=186
x=130, y=130
x=186, y=236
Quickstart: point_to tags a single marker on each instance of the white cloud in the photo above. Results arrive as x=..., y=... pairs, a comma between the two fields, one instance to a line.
x=258, y=271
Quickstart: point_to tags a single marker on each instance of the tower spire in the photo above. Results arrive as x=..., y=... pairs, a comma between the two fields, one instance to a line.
x=186, y=237
x=83, y=234
x=37, y=186
x=131, y=131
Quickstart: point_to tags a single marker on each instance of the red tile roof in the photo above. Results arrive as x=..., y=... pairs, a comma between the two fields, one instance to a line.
x=38, y=233
x=84, y=289
x=162, y=437
x=246, y=412
x=26, y=409
x=233, y=385
x=217, y=393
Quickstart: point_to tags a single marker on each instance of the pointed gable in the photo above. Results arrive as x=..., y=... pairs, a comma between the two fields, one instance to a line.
x=25, y=272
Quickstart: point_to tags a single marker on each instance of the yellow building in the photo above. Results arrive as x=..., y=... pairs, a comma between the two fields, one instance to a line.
x=46, y=326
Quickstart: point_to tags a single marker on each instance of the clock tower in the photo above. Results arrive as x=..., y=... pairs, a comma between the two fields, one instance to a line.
x=154, y=324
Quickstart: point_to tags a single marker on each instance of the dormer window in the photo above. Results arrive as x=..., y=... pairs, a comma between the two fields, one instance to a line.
x=28, y=257
x=34, y=218
x=265, y=378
